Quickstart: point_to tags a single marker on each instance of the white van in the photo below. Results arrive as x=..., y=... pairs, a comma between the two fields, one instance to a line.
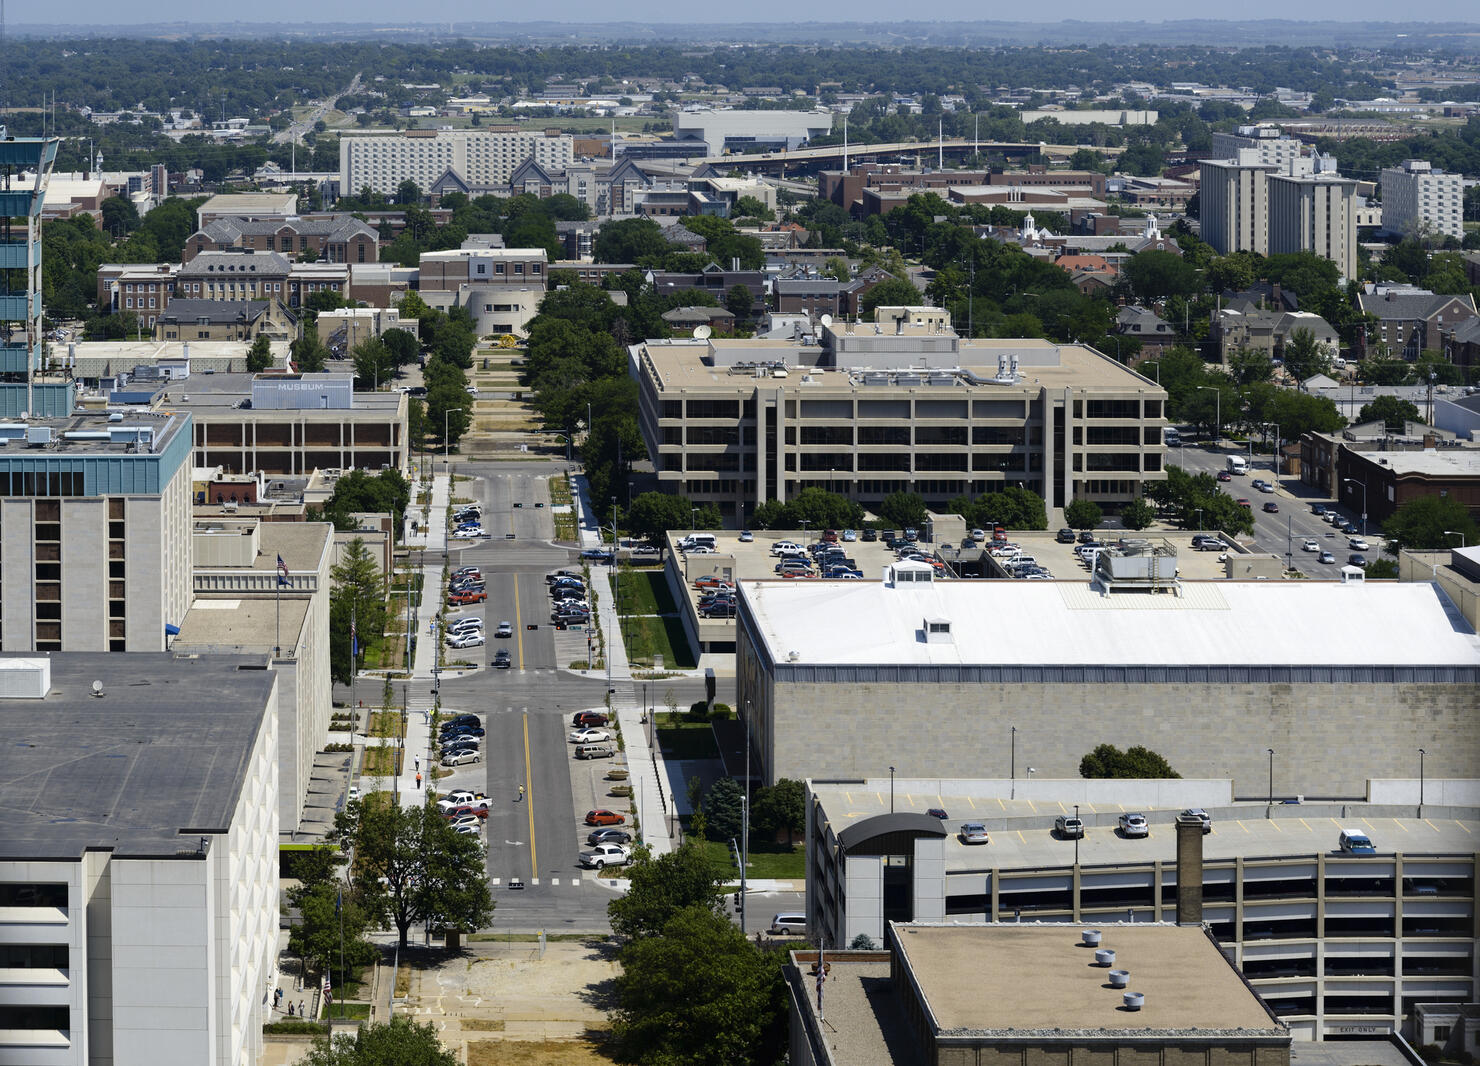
x=788, y=924
x=697, y=540
x=1355, y=842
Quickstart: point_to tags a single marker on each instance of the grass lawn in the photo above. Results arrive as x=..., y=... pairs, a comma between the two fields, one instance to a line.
x=380, y=762
x=385, y=723
x=580, y=1052
x=687, y=740
x=646, y=592
x=782, y=865
x=347, y=1010
x=647, y=637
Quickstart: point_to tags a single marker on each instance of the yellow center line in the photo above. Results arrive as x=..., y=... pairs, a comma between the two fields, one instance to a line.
x=519, y=623
x=534, y=858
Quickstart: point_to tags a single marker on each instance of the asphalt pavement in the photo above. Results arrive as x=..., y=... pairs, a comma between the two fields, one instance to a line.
x=1285, y=533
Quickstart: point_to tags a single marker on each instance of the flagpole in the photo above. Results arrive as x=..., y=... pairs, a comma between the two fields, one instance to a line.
x=354, y=668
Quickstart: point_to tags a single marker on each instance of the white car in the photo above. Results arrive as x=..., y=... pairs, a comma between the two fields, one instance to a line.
x=466, y=625
x=505, y=629
x=471, y=533
x=354, y=793
x=589, y=736
x=466, y=640
x=1311, y=545
x=1134, y=825
x=472, y=390
x=465, y=830
x=458, y=797
x=465, y=819
x=458, y=758
x=1357, y=544
x=974, y=833
x=606, y=855
x=1265, y=486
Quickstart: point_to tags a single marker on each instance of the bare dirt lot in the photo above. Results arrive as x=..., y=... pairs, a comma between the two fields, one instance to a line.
x=504, y=1003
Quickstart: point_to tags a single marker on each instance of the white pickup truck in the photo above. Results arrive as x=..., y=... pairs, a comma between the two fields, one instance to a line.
x=606, y=855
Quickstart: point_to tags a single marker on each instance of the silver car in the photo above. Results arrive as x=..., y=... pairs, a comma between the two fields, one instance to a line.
x=974, y=833
x=1134, y=825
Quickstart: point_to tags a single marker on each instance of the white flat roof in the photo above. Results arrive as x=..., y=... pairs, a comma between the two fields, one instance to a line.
x=1068, y=623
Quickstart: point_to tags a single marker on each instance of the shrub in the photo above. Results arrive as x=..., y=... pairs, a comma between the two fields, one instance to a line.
x=698, y=711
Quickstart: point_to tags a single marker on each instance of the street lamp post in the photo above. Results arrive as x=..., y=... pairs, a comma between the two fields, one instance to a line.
x=891, y=790
x=1271, y=776
x=1363, y=486
x=1421, y=754
x=1217, y=410
x=1012, y=792
x=1199, y=519
x=1077, y=835
x=1456, y=533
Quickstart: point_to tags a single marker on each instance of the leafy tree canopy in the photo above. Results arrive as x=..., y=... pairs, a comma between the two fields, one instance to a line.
x=1109, y=761
x=661, y=886
x=1421, y=524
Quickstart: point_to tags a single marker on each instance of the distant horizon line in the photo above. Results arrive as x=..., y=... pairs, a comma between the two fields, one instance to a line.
x=94, y=28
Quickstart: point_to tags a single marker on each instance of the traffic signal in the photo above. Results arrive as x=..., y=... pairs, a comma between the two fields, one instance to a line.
x=737, y=903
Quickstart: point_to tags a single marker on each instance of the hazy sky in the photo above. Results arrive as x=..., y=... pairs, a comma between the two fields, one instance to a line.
x=88, y=13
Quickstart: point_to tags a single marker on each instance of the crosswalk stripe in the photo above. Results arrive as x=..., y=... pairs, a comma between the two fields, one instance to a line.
x=555, y=881
x=495, y=881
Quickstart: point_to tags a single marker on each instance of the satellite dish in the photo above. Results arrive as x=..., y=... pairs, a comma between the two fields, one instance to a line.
x=701, y=333
x=97, y=689
x=826, y=321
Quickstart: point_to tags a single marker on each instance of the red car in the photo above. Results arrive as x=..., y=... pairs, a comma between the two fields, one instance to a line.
x=1224, y=475
x=711, y=581
x=462, y=599
x=480, y=809
x=589, y=719
x=602, y=816
x=1243, y=501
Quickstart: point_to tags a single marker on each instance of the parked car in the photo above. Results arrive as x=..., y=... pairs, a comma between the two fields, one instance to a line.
x=473, y=639
x=602, y=816
x=870, y=535
x=467, y=571
x=1134, y=825
x=608, y=836
x=462, y=729
x=555, y=576
x=588, y=718
x=478, y=807
x=713, y=581
x=468, y=533
x=458, y=758
x=974, y=833
x=1068, y=827
x=462, y=599
x=1065, y=536
x=466, y=625
x=606, y=855
x=1197, y=814
x=505, y=629
x=850, y=535
x=465, y=819
x=1265, y=487
x=1318, y=509
x=465, y=830
x=746, y=536
x=937, y=812
x=589, y=736
x=460, y=796
x=597, y=555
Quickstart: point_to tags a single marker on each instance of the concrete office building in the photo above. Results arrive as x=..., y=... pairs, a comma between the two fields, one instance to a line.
x=1269, y=144
x=25, y=168
x=723, y=132
x=484, y=157
x=1336, y=944
x=905, y=405
x=1314, y=213
x=138, y=859
x=1026, y=995
x=1416, y=197
x=1209, y=674
x=243, y=606
x=94, y=532
x=1234, y=198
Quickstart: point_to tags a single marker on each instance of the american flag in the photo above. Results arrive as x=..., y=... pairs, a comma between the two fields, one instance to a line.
x=354, y=639
x=282, y=572
x=328, y=994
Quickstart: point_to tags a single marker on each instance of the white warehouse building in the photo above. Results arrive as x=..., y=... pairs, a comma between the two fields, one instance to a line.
x=138, y=859
x=725, y=131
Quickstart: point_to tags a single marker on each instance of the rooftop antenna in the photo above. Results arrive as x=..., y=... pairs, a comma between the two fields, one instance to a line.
x=97, y=690
x=702, y=333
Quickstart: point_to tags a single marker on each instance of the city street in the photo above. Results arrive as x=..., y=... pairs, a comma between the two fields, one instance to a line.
x=1284, y=533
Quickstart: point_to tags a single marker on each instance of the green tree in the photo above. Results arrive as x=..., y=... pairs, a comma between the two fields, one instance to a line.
x=331, y=926
x=658, y=887
x=1393, y=412
x=1156, y=275
x=1421, y=524
x=1109, y=761
x=1382, y=568
x=1138, y=514
x=836, y=267
x=700, y=993
x=360, y=493
x=905, y=510
x=1083, y=514
x=402, y=345
x=738, y=302
x=259, y=355
x=722, y=809
x=751, y=207
x=413, y=306
x=892, y=293
x=399, y=1042
x=411, y=867
x=358, y=594
x=308, y=352
x=818, y=508
x=1247, y=366
x=373, y=363
x=653, y=514
x=630, y=240
x=779, y=812
x=1305, y=357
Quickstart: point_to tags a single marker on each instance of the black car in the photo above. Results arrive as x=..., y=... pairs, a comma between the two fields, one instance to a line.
x=501, y=660
x=1065, y=536
x=1087, y=537
x=463, y=731
x=462, y=719
x=1318, y=509
x=870, y=535
x=550, y=579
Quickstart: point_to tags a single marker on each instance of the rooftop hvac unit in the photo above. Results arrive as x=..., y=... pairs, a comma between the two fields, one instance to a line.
x=38, y=436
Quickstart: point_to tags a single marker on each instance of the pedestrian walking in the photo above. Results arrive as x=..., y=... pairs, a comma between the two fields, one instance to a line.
x=418, y=764
x=290, y=1010
x=418, y=780
x=301, y=1012
x=521, y=793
